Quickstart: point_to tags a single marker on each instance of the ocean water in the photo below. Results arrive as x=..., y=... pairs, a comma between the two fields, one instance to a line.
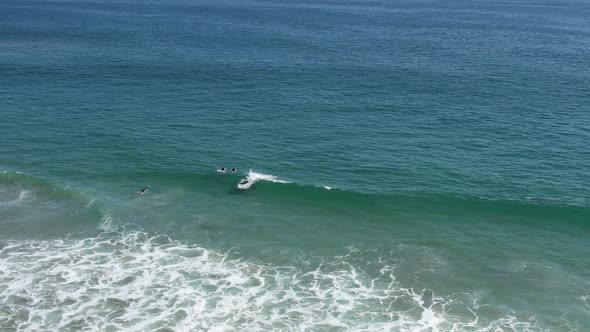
x=412, y=165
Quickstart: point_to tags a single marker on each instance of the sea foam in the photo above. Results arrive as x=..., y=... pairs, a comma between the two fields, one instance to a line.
x=147, y=282
x=254, y=177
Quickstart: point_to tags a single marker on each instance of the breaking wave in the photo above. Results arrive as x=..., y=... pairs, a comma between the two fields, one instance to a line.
x=31, y=206
x=149, y=282
x=254, y=177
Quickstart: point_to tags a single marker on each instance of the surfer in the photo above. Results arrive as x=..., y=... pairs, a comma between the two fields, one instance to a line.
x=142, y=191
x=223, y=170
x=244, y=182
x=233, y=170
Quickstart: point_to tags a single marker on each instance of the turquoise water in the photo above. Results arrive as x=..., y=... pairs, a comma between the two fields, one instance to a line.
x=414, y=166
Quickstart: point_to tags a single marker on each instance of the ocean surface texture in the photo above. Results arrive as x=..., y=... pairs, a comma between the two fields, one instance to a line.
x=412, y=165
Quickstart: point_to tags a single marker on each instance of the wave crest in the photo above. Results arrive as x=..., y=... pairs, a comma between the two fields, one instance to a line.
x=34, y=206
x=254, y=177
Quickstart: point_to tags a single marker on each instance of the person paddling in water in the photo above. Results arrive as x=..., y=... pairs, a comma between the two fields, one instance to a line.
x=142, y=191
x=233, y=170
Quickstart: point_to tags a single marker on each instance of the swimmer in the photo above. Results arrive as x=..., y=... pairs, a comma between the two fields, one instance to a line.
x=142, y=191
x=233, y=170
x=222, y=170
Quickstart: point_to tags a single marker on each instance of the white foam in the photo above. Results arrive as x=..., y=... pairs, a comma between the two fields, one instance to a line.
x=8, y=171
x=106, y=223
x=328, y=187
x=23, y=197
x=143, y=282
x=254, y=177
